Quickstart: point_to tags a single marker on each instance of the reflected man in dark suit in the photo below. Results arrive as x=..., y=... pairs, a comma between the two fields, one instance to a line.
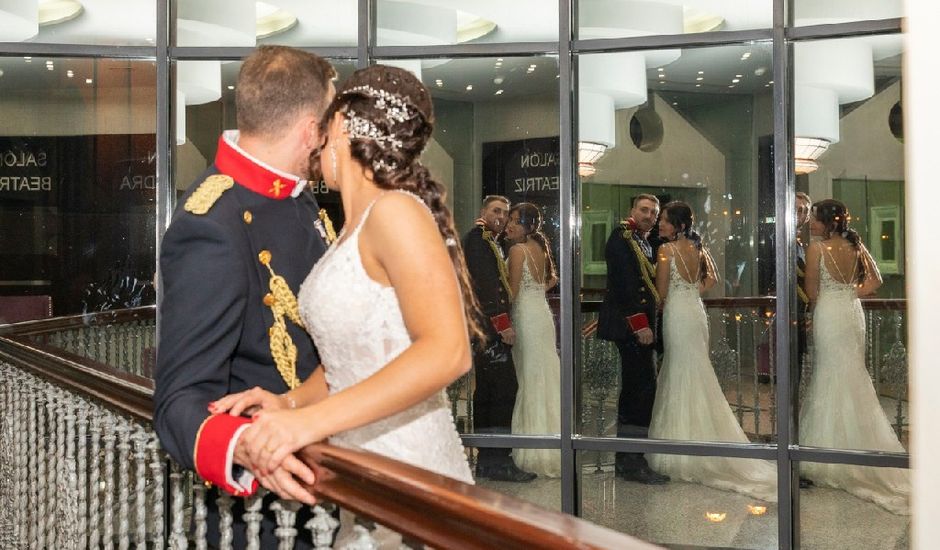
x=495, y=393
x=628, y=318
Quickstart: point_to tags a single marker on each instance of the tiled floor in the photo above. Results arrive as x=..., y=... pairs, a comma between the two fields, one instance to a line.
x=677, y=514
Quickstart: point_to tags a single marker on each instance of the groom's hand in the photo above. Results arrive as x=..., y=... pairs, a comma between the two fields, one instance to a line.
x=282, y=480
x=645, y=336
x=508, y=336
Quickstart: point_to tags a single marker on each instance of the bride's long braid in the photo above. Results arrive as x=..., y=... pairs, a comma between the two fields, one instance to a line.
x=390, y=118
x=835, y=216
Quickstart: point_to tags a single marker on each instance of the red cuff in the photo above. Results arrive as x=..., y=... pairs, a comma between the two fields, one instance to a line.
x=501, y=322
x=215, y=450
x=638, y=322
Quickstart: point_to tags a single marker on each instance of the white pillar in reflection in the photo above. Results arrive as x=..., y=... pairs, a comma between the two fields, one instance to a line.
x=922, y=135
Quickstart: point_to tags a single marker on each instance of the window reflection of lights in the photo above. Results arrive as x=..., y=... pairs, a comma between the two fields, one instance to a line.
x=698, y=85
x=499, y=92
x=230, y=87
x=439, y=82
x=716, y=517
x=739, y=76
x=469, y=87
x=701, y=72
x=88, y=81
x=589, y=153
x=69, y=73
x=735, y=80
x=700, y=78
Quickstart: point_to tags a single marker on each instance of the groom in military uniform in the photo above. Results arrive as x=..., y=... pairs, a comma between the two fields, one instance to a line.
x=241, y=242
x=495, y=393
x=628, y=319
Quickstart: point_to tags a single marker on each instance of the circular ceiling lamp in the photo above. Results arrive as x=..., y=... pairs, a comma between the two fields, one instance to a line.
x=53, y=12
x=272, y=20
x=806, y=151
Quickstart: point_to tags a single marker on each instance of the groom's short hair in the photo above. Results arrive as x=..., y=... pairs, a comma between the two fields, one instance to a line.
x=493, y=198
x=277, y=83
x=644, y=197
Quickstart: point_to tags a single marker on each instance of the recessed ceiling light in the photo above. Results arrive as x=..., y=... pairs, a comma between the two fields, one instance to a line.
x=739, y=76
x=499, y=92
x=698, y=85
x=69, y=73
x=469, y=87
x=50, y=67
x=230, y=87
x=731, y=86
x=675, y=102
x=88, y=81
x=700, y=78
x=735, y=80
x=1, y=72
x=745, y=55
x=660, y=69
x=771, y=82
x=499, y=59
x=701, y=72
x=28, y=59
x=439, y=82
x=498, y=80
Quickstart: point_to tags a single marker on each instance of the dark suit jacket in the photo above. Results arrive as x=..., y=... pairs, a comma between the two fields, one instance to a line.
x=627, y=293
x=213, y=337
x=483, y=266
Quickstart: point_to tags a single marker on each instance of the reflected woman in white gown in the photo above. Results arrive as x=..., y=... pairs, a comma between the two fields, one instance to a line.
x=841, y=409
x=690, y=404
x=538, y=368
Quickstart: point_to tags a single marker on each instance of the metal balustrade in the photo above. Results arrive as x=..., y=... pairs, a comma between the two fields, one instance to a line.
x=80, y=467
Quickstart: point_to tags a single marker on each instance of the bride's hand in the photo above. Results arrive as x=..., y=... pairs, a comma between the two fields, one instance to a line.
x=251, y=400
x=276, y=435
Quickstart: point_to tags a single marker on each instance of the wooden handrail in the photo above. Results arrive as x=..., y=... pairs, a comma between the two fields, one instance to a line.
x=422, y=505
x=446, y=513
x=98, y=318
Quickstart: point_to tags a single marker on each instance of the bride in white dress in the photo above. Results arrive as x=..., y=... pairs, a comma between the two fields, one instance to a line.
x=538, y=368
x=690, y=404
x=389, y=305
x=841, y=408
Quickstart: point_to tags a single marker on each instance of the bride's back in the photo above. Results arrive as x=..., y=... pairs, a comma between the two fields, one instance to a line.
x=536, y=260
x=841, y=259
x=688, y=260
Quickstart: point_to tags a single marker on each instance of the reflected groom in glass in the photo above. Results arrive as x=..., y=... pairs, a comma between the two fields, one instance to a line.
x=628, y=319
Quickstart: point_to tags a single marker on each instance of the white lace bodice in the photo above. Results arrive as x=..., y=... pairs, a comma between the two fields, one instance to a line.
x=357, y=326
x=829, y=286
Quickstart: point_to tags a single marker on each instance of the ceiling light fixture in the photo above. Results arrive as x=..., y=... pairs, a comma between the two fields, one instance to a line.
x=88, y=81
x=469, y=87
x=805, y=152
x=499, y=92
x=589, y=153
x=271, y=20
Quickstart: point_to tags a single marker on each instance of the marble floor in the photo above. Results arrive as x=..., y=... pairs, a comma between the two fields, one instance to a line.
x=685, y=515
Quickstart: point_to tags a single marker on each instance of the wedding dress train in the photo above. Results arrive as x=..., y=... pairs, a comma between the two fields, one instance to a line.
x=538, y=370
x=691, y=406
x=841, y=408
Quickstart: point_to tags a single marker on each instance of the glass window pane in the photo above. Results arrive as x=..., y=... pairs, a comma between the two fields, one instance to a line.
x=447, y=22
x=849, y=517
x=496, y=133
x=247, y=23
x=98, y=22
x=678, y=513
x=691, y=125
x=849, y=148
x=495, y=469
x=77, y=185
x=826, y=12
x=632, y=18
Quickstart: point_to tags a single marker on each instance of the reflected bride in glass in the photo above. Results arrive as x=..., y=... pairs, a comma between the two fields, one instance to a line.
x=690, y=404
x=841, y=409
x=538, y=368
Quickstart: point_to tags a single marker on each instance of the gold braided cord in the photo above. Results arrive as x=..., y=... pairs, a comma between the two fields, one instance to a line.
x=283, y=351
x=327, y=226
x=647, y=271
x=500, y=262
x=799, y=288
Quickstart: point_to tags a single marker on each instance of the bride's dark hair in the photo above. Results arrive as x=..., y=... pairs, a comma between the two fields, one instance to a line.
x=835, y=216
x=679, y=214
x=389, y=118
x=530, y=218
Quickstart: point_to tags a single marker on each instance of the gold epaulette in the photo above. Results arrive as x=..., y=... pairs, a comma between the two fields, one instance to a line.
x=207, y=193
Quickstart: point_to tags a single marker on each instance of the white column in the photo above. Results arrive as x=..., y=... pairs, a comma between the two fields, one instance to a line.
x=922, y=137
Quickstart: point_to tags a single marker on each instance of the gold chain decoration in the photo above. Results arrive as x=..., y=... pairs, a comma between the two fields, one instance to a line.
x=282, y=303
x=500, y=262
x=799, y=289
x=327, y=226
x=647, y=271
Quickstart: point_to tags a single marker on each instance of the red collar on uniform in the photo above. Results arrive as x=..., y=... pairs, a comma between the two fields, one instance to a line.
x=249, y=172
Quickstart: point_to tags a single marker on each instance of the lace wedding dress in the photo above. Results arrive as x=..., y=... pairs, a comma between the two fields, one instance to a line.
x=690, y=404
x=841, y=409
x=538, y=370
x=358, y=328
